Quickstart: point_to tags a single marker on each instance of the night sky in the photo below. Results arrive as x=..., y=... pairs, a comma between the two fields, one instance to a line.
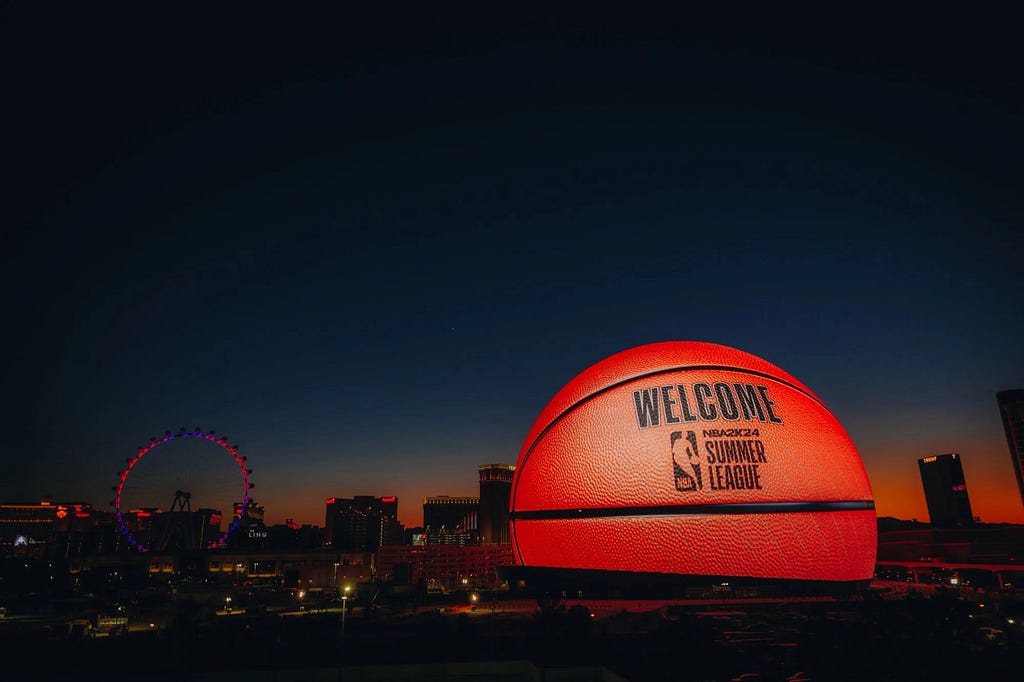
x=371, y=248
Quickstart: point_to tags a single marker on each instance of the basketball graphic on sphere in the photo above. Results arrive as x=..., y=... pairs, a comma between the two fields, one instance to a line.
x=697, y=459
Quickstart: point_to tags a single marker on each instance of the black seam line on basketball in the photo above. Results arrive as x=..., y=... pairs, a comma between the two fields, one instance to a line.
x=685, y=368
x=697, y=509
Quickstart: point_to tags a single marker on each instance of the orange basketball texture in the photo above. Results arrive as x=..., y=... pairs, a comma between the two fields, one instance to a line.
x=760, y=481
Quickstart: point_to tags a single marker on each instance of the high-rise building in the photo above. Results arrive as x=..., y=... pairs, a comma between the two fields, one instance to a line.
x=945, y=491
x=495, y=495
x=1011, y=409
x=450, y=513
x=362, y=523
x=450, y=520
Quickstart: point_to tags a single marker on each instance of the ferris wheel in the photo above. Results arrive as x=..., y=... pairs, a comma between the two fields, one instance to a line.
x=186, y=464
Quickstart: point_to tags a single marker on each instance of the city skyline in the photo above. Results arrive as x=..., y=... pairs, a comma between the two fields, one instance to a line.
x=371, y=252
x=412, y=509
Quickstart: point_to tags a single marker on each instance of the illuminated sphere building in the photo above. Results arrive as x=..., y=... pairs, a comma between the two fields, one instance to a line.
x=683, y=464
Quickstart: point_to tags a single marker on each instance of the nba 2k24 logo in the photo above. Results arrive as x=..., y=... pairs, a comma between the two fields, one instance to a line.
x=726, y=464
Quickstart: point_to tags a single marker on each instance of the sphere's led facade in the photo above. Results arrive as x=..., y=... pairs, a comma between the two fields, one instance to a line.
x=697, y=459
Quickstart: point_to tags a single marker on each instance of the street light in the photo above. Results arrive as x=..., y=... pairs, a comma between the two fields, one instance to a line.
x=344, y=608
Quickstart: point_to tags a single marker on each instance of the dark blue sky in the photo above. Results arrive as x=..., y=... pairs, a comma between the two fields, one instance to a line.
x=370, y=251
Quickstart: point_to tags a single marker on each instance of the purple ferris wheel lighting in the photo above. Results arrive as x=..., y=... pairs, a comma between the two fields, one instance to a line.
x=154, y=443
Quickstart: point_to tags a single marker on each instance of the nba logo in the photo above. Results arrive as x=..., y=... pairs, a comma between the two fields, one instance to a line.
x=686, y=481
